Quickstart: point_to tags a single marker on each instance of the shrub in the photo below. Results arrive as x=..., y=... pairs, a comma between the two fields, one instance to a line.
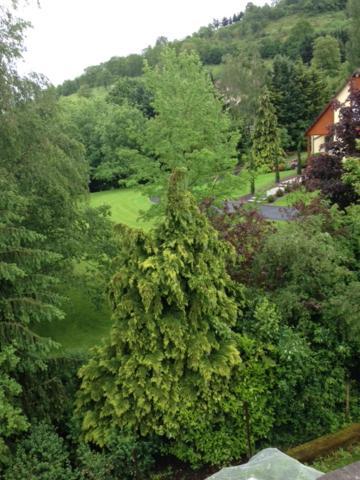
x=324, y=172
x=220, y=435
x=41, y=456
x=246, y=230
x=271, y=198
x=303, y=269
x=124, y=458
x=48, y=394
x=280, y=192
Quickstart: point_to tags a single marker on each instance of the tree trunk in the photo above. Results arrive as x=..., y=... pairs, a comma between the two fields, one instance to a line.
x=347, y=399
x=298, y=167
x=252, y=186
x=277, y=171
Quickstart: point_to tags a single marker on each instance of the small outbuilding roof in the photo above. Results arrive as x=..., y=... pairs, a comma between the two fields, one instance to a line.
x=350, y=472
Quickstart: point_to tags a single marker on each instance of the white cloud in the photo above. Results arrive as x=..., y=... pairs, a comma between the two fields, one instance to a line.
x=69, y=35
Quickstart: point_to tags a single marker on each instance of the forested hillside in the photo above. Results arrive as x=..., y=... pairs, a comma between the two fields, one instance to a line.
x=269, y=30
x=155, y=323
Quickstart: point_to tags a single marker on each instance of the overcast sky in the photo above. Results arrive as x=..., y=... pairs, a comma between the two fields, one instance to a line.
x=69, y=35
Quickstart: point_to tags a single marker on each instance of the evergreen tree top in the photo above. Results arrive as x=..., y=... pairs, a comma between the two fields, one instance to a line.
x=171, y=341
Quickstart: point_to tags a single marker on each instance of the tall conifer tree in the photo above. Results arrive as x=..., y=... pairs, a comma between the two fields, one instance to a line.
x=266, y=137
x=27, y=290
x=299, y=95
x=171, y=340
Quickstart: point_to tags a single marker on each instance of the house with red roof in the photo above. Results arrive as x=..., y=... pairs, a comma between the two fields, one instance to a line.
x=320, y=131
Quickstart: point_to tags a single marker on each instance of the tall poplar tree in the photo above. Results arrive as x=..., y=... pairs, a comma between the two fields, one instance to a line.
x=267, y=148
x=171, y=340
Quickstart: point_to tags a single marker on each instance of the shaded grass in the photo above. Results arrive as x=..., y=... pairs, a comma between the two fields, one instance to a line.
x=338, y=459
x=84, y=324
x=262, y=183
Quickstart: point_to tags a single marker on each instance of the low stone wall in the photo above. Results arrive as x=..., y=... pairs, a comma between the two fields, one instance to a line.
x=327, y=444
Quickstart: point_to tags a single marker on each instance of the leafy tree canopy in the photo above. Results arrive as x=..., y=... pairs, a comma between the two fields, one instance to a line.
x=327, y=57
x=190, y=128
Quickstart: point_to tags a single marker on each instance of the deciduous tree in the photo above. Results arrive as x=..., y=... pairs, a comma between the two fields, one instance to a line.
x=190, y=127
x=326, y=56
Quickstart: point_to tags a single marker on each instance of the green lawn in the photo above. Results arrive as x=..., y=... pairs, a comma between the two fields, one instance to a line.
x=338, y=459
x=263, y=182
x=127, y=204
x=289, y=199
x=84, y=324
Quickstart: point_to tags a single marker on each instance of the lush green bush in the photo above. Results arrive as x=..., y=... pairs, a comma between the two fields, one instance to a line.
x=306, y=273
x=124, y=458
x=40, y=456
x=229, y=429
x=48, y=394
x=325, y=173
x=12, y=420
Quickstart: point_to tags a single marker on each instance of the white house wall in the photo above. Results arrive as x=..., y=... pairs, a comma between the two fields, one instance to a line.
x=342, y=97
x=317, y=143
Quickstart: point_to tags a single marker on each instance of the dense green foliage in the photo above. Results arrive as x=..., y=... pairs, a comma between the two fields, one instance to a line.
x=133, y=91
x=228, y=332
x=299, y=94
x=314, y=335
x=327, y=55
x=353, y=47
x=124, y=458
x=161, y=321
x=41, y=456
x=27, y=289
x=44, y=224
x=12, y=421
x=189, y=128
x=267, y=150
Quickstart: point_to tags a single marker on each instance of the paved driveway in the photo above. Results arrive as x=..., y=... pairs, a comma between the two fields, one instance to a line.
x=278, y=213
x=271, y=212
